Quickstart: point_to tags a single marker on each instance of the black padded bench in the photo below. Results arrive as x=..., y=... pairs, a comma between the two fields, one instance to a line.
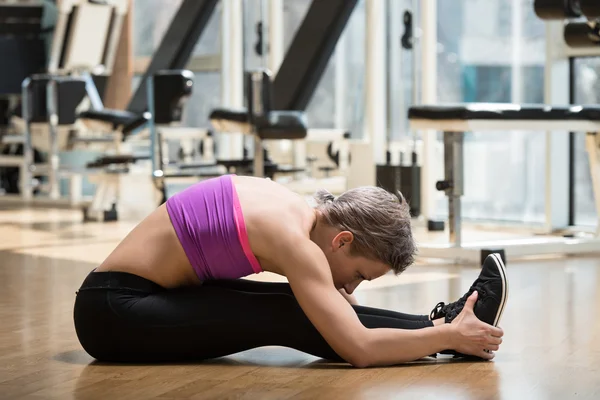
x=455, y=119
x=118, y=159
x=124, y=121
x=495, y=116
x=259, y=120
x=504, y=111
x=274, y=125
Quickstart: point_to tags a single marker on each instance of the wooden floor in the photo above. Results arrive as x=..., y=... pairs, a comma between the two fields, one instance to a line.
x=551, y=348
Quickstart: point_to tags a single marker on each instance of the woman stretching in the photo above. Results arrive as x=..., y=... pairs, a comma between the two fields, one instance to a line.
x=170, y=291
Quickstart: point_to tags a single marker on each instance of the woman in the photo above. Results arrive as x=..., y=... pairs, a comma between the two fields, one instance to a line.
x=170, y=290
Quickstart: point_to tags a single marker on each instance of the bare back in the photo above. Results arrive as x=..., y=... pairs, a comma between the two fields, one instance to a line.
x=152, y=249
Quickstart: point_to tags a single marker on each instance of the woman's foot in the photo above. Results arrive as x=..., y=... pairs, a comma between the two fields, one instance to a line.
x=492, y=287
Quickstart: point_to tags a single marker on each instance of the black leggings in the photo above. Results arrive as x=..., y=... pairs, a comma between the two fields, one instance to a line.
x=121, y=317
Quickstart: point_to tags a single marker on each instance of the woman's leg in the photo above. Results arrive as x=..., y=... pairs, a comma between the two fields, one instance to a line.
x=210, y=321
x=246, y=285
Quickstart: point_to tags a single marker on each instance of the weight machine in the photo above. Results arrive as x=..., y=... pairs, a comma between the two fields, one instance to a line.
x=81, y=56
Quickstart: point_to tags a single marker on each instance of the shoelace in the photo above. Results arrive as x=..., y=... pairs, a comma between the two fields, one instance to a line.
x=451, y=310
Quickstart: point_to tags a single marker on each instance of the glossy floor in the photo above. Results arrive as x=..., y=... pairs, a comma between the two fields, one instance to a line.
x=551, y=348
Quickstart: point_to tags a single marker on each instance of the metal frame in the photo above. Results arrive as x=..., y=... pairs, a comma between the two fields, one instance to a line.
x=592, y=143
x=255, y=110
x=556, y=91
x=158, y=136
x=57, y=67
x=460, y=252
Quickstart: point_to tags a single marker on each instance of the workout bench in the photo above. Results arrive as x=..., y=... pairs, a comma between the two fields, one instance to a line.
x=259, y=120
x=454, y=120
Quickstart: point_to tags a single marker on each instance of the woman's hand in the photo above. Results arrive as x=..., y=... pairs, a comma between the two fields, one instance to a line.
x=472, y=336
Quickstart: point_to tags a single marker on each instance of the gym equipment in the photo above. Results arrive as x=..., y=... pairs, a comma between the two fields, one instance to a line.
x=557, y=9
x=10, y=176
x=259, y=120
x=168, y=91
x=38, y=112
x=22, y=44
x=590, y=8
x=404, y=177
x=82, y=52
x=582, y=34
x=454, y=120
x=23, y=34
x=577, y=33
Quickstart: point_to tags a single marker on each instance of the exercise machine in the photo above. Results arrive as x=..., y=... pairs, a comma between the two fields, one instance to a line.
x=581, y=20
x=260, y=121
x=454, y=121
x=168, y=92
x=265, y=124
x=81, y=56
x=558, y=238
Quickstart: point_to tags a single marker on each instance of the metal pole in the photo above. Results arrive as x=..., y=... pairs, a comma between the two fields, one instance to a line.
x=27, y=165
x=276, y=33
x=156, y=161
x=256, y=83
x=556, y=91
x=52, y=110
x=516, y=47
x=274, y=48
x=375, y=79
x=592, y=144
x=453, y=166
x=230, y=145
x=340, y=83
x=395, y=93
x=427, y=45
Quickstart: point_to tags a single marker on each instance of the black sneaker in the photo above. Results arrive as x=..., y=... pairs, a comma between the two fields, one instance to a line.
x=492, y=288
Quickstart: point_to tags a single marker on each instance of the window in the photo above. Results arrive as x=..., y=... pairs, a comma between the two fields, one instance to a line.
x=478, y=62
x=347, y=106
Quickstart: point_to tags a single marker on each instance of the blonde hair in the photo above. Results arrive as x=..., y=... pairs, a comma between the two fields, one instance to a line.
x=379, y=220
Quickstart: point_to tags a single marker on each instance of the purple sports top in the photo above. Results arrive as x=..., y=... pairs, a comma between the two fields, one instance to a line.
x=209, y=223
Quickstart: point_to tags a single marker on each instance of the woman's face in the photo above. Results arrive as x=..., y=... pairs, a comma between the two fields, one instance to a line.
x=348, y=270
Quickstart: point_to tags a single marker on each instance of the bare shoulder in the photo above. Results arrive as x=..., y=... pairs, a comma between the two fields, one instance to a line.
x=274, y=217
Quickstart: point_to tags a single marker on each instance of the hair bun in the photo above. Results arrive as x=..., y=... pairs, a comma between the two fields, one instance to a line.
x=400, y=197
x=324, y=196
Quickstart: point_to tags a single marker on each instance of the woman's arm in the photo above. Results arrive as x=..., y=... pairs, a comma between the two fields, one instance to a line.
x=308, y=273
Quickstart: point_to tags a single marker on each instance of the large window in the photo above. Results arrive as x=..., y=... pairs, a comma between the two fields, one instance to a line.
x=587, y=91
x=494, y=51
x=339, y=98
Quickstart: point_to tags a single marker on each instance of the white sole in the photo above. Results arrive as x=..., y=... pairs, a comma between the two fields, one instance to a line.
x=502, y=270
